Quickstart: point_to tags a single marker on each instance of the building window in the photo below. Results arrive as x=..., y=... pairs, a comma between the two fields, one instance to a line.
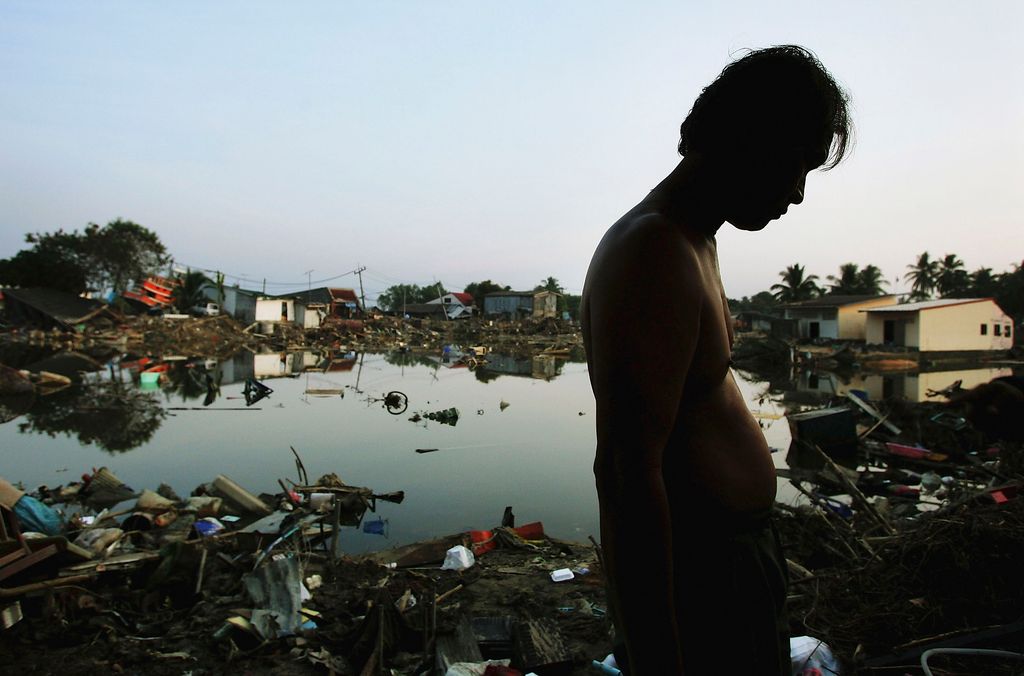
x=997, y=329
x=984, y=329
x=1006, y=331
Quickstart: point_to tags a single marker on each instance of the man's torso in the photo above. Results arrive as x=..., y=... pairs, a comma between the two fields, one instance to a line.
x=716, y=451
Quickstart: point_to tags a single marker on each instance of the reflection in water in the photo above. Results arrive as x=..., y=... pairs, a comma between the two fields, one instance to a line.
x=542, y=367
x=526, y=439
x=910, y=386
x=113, y=415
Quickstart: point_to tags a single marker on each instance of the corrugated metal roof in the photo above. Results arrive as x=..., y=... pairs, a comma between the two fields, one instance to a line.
x=835, y=301
x=511, y=293
x=926, y=305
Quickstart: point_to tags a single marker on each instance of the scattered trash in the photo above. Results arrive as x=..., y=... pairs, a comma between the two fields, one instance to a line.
x=458, y=558
x=396, y=402
x=208, y=526
x=811, y=657
x=448, y=416
x=561, y=575
x=255, y=391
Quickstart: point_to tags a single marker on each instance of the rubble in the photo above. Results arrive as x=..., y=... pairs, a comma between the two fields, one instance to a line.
x=263, y=592
x=908, y=539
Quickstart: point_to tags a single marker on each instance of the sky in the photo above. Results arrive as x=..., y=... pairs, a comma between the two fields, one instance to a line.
x=462, y=141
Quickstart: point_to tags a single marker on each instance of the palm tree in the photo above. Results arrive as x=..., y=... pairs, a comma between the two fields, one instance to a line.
x=190, y=292
x=952, y=279
x=871, y=281
x=923, y=275
x=984, y=284
x=795, y=286
x=848, y=281
x=549, y=284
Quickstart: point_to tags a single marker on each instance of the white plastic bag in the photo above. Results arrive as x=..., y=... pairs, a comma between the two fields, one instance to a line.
x=458, y=558
x=810, y=656
x=474, y=668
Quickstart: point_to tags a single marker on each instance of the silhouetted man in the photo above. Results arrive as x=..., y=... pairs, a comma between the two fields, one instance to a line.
x=696, y=578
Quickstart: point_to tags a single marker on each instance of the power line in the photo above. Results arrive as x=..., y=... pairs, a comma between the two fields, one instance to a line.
x=243, y=278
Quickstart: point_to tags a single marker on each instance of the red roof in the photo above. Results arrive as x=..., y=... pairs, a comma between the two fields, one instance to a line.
x=464, y=298
x=343, y=294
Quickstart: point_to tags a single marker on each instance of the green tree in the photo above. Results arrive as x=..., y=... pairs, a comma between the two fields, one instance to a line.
x=762, y=301
x=54, y=262
x=984, y=284
x=122, y=252
x=848, y=281
x=480, y=289
x=190, y=292
x=101, y=257
x=871, y=281
x=570, y=302
x=923, y=275
x=795, y=285
x=398, y=295
x=549, y=284
x=1010, y=296
x=952, y=280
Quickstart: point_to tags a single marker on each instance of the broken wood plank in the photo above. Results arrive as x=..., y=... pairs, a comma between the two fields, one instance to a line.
x=539, y=646
x=873, y=412
x=459, y=646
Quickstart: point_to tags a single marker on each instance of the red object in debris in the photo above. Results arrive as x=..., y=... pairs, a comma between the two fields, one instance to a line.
x=483, y=540
x=1003, y=494
x=915, y=452
x=904, y=491
x=496, y=670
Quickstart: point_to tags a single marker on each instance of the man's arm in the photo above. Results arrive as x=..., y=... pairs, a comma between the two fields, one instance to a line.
x=644, y=318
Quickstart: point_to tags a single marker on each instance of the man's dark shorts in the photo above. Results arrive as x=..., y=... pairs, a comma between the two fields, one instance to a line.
x=731, y=583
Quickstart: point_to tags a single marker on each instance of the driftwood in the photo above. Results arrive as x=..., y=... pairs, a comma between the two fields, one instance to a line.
x=855, y=493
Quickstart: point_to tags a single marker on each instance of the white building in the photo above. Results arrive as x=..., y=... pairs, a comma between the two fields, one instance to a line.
x=834, y=317
x=946, y=325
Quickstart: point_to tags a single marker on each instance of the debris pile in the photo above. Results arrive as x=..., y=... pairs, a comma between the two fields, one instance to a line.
x=912, y=533
x=224, y=580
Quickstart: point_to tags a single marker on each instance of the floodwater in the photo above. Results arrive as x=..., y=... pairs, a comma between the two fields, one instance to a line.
x=534, y=454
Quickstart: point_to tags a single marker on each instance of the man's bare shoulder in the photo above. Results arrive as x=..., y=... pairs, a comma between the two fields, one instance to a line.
x=641, y=245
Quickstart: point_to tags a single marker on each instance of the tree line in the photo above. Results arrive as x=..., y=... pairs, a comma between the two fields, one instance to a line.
x=945, y=277
x=116, y=255
x=112, y=256
x=395, y=297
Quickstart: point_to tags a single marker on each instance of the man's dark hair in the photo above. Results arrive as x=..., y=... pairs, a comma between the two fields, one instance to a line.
x=771, y=98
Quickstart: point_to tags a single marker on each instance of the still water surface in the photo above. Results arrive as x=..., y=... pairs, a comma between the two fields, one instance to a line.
x=534, y=455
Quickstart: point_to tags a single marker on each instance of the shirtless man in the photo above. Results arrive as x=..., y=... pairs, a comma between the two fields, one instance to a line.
x=696, y=579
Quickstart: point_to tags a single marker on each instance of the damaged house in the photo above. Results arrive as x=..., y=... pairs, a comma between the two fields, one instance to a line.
x=52, y=309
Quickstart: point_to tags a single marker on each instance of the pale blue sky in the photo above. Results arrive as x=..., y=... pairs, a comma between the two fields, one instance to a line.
x=471, y=140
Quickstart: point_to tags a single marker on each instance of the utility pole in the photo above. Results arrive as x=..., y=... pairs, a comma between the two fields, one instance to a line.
x=359, y=271
x=309, y=286
x=440, y=298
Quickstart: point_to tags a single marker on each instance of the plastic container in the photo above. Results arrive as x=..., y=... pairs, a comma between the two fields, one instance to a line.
x=809, y=656
x=458, y=558
x=562, y=575
x=239, y=496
